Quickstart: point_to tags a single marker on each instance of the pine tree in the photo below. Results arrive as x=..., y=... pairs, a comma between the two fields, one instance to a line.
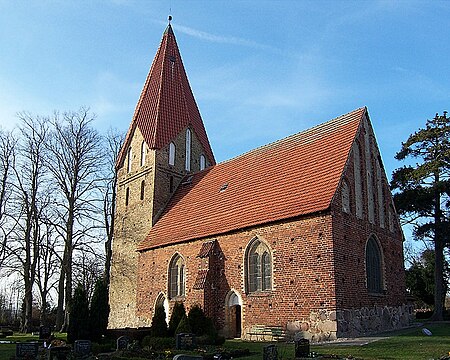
x=183, y=326
x=78, y=316
x=423, y=193
x=99, y=310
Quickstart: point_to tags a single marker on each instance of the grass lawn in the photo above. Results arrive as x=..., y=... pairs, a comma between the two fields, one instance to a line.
x=409, y=344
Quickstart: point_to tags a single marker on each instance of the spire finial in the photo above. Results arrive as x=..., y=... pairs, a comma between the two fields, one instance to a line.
x=170, y=19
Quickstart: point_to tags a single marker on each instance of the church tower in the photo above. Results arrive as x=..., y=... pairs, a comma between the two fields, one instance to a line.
x=165, y=142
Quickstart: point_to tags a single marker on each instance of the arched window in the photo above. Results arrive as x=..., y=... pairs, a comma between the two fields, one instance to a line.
x=161, y=300
x=143, y=152
x=202, y=162
x=258, y=267
x=176, y=277
x=345, y=192
x=188, y=150
x=127, y=196
x=171, y=153
x=142, y=189
x=374, y=271
x=129, y=159
x=358, y=182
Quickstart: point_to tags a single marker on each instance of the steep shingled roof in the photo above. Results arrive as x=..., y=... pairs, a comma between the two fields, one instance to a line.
x=294, y=176
x=166, y=105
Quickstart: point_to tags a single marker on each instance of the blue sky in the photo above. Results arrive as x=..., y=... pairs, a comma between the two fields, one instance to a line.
x=260, y=70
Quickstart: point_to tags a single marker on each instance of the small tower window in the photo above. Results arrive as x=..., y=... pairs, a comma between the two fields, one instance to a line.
x=130, y=153
x=188, y=150
x=127, y=196
x=142, y=189
x=202, y=162
x=143, y=152
x=171, y=153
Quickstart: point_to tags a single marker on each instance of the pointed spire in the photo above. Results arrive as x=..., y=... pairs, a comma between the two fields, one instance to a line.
x=166, y=105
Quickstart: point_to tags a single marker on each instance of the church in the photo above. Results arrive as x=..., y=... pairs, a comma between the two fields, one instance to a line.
x=300, y=234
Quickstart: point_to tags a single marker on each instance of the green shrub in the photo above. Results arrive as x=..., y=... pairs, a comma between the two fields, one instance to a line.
x=158, y=343
x=79, y=316
x=177, y=314
x=183, y=326
x=159, y=325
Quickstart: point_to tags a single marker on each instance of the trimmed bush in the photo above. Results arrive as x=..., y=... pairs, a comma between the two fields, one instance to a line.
x=159, y=325
x=183, y=326
x=158, y=343
x=177, y=314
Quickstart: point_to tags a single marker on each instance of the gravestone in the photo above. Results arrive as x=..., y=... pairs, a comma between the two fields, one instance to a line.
x=44, y=332
x=185, y=341
x=270, y=352
x=187, y=357
x=27, y=350
x=122, y=342
x=59, y=353
x=82, y=348
x=301, y=348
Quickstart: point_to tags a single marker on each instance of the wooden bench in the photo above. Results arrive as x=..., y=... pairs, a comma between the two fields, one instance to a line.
x=266, y=332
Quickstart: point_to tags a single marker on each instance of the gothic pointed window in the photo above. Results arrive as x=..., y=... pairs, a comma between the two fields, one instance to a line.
x=202, y=162
x=129, y=159
x=143, y=153
x=374, y=261
x=171, y=153
x=345, y=193
x=258, y=267
x=188, y=150
x=176, y=277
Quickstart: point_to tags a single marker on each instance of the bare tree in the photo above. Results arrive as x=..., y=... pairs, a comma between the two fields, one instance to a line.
x=114, y=141
x=75, y=154
x=7, y=153
x=30, y=200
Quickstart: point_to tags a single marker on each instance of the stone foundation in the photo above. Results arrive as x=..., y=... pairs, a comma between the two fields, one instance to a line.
x=326, y=325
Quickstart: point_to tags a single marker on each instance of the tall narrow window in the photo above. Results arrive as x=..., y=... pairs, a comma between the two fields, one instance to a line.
x=176, y=277
x=142, y=189
x=188, y=150
x=258, y=267
x=374, y=272
x=143, y=153
x=358, y=182
x=127, y=196
x=171, y=153
x=202, y=162
x=129, y=159
x=345, y=192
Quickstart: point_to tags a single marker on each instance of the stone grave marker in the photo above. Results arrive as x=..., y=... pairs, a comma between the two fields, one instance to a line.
x=59, y=353
x=27, y=350
x=82, y=348
x=270, y=352
x=301, y=348
x=44, y=332
x=187, y=357
x=122, y=342
x=185, y=341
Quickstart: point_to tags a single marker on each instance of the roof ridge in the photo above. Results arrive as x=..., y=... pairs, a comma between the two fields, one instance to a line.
x=276, y=142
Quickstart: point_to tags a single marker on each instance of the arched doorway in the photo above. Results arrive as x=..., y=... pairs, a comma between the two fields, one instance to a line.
x=162, y=300
x=233, y=311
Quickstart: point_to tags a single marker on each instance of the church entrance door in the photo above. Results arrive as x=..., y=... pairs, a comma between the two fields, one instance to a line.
x=233, y=315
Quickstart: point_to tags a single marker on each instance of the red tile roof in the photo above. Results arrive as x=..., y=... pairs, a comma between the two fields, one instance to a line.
x=291, y=177
x=206, y=249
x=200, y=280
x=166, y=105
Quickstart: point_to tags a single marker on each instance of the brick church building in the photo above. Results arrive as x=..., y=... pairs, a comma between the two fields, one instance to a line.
x=300, y=234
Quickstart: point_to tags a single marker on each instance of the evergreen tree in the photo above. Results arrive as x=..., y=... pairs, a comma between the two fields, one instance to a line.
x=177, y=314
x=159, y=325
x=420, y=278
x=197, y=320
x=422, y=195
x=99, y=311
x=78, y=328
x=183, y=326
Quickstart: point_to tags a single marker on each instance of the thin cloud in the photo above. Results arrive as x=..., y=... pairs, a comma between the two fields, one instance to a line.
x=205, y=36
